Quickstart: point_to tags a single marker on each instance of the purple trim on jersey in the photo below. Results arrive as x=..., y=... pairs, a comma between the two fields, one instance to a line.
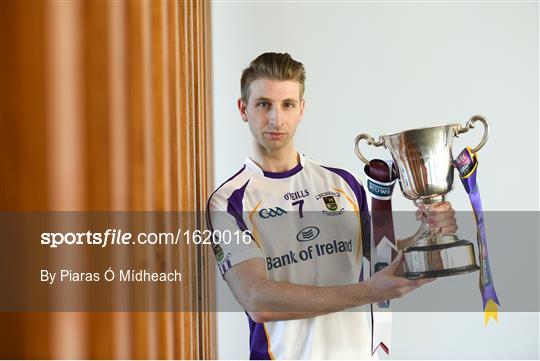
x=258, y=344
x=353, y=184
x=208, y=220
x=285, y=174
x=235, y=207
x=361, y=199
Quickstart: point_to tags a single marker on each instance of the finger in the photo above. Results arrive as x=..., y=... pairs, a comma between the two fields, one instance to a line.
x=447, y=222
x=399, y=270
x=396, y=263
x=398, y=259
x=451, y=229
x=436, y=216
x=419, y=214
x=441, y=206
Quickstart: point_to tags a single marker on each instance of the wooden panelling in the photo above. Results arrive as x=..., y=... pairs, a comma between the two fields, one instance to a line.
x=105, y=106
x=22, y=142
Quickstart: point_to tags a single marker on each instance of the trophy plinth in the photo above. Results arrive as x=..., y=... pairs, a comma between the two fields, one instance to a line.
x=424, y=164
x=440, y=260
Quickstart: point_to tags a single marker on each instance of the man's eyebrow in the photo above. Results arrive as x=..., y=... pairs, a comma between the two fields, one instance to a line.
x=263, y=99
x=291, y=100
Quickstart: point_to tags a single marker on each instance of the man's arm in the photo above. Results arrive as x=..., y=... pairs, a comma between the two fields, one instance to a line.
x=266, y=300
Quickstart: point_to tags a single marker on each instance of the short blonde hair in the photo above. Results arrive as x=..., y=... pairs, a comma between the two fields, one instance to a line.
x=274, y=66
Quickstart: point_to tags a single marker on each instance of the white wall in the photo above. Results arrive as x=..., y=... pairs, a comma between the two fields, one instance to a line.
x=386, y=67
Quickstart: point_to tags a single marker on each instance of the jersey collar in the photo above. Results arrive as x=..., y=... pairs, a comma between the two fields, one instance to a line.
x=276, y=175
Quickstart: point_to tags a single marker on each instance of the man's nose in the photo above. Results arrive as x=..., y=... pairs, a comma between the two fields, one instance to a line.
x=276, y=117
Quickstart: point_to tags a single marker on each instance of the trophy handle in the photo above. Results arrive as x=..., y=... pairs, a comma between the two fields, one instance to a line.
x=460, y=129
x=370, y=141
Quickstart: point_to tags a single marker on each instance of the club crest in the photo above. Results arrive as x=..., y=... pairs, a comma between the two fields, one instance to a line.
x=330, y=203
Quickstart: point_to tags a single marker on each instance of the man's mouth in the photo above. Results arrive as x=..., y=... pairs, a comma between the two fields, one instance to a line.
x=274, y=135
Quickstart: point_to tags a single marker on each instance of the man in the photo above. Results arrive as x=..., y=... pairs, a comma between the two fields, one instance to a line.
x=304, y=223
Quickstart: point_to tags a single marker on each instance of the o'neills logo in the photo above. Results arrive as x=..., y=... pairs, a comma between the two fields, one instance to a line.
x=312, y=251
x=296, y=195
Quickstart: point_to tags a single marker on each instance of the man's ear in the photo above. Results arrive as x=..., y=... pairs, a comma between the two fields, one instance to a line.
x=242, y=108
x=302, y=104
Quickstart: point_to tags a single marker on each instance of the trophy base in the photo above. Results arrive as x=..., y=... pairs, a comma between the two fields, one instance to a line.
x=439, y=260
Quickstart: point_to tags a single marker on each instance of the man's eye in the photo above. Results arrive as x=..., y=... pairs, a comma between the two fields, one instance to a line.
x=263, y=104
x=289, y=105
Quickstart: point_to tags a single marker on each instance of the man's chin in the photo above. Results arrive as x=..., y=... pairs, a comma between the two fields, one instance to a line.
x=276, y=145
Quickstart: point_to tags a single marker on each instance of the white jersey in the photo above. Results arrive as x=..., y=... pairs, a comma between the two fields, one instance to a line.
x=308, y=224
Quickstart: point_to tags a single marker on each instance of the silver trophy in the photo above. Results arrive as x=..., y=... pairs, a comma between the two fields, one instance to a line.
x=424, y=164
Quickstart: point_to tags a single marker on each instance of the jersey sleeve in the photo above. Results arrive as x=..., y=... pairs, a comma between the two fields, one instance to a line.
x=232, y=242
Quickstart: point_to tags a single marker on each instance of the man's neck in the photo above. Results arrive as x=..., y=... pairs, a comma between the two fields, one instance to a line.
x=281, y=161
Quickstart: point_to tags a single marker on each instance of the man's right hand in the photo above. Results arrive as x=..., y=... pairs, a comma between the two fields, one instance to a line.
x=389, y=283
x=266, y=300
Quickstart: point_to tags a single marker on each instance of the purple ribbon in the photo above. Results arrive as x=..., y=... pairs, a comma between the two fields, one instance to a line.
x=467, y=165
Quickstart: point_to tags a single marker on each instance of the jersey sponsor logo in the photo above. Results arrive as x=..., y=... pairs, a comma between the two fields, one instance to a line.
x=311, y=252
x=296, y=195
x=308, y=234
x=284, y=260
x=271, y=212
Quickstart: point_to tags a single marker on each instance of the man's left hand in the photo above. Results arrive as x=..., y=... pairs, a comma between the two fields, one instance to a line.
x=440, y=217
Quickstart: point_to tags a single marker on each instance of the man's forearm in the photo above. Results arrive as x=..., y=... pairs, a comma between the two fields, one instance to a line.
x=272, y=301
x=268, y=300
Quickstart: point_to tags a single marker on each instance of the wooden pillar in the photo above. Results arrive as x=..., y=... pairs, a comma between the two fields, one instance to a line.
x=104, y=106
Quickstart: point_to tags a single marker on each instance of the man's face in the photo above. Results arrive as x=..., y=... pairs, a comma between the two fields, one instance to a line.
x=273, y=112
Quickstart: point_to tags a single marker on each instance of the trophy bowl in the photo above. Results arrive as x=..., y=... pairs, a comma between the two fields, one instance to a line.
x=423, y=161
